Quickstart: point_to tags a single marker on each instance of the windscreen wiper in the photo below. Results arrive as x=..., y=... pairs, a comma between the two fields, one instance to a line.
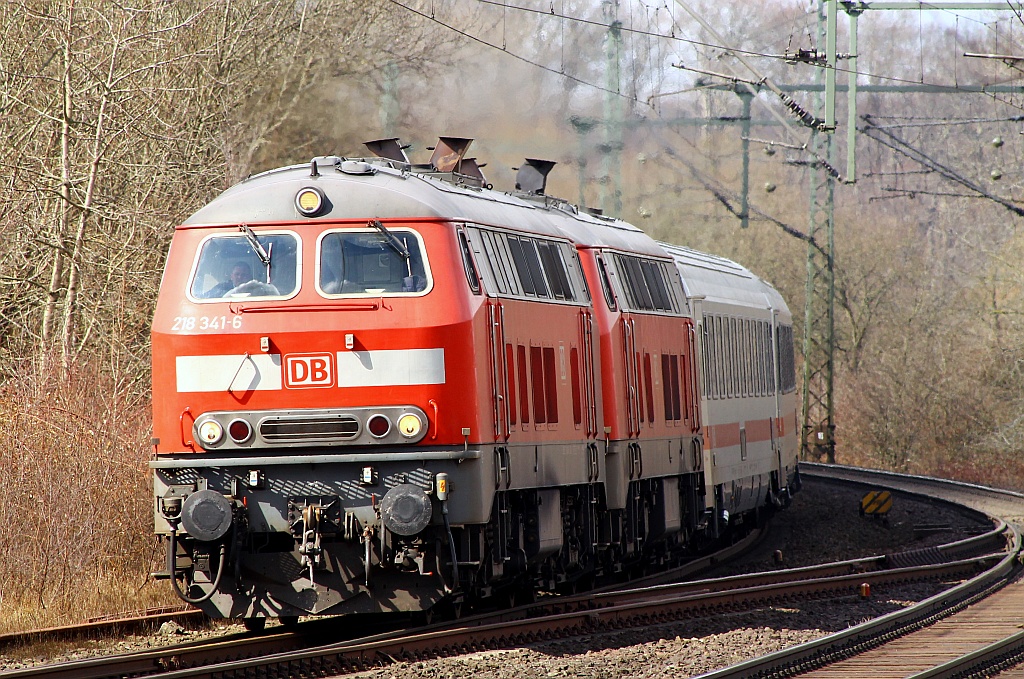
x=395, y=244
x=391, y=239
x=255, y=244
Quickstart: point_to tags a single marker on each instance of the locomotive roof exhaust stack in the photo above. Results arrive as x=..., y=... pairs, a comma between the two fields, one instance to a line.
x=532, y=177
x=390, y=148
x=448, y=154
x=447, y=162
x=471, y=168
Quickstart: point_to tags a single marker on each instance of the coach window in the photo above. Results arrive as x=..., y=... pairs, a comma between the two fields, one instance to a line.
x=730, y=325
x=758, y=352
x=766, y=358
x=787, y=378
x=741, y=360
x=246, y=266
x=372, y=263
x=720, y=356
x=707, y=349
x=741, y=355
x=717, y=366
x=748, y=382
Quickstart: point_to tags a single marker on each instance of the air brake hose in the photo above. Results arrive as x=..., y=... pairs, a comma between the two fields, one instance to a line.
x=172, y=567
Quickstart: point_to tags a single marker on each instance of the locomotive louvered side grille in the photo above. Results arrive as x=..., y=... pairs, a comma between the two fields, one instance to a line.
x=301, y=429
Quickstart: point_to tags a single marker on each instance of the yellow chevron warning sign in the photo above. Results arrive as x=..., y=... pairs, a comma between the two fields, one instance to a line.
x=876, y=503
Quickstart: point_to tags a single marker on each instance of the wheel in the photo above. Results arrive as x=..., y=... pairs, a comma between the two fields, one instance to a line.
x=289, y=621
x=254, y=624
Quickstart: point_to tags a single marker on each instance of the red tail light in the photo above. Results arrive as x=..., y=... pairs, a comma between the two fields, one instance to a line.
x=379, y=425
x=239, y=431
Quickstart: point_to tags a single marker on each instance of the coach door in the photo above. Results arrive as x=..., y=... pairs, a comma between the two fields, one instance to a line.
x=693, y=379
x=773, y=343
x=702, y=415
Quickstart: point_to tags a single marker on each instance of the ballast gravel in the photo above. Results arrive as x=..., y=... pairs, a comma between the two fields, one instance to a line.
x=823, y=524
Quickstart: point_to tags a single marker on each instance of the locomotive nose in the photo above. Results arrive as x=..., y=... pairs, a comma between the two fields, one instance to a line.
x=406, y=509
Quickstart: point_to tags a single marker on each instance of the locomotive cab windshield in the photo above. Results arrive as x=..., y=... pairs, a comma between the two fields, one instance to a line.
x=364, y=262
x=232, y=267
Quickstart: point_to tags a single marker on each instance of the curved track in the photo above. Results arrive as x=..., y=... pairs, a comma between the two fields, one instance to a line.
x=970, y=630
x=305, y=653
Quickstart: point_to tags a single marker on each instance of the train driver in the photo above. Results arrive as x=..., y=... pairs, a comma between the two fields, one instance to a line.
x=241, y=273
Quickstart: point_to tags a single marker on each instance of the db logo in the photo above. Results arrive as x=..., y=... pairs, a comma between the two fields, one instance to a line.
x=308, y=370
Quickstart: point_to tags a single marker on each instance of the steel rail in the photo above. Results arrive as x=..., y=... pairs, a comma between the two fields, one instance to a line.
x=108, y=624
x=339, y=658
x=590, y=613
x=984, y=662
x=581, y=614
x=841, y=645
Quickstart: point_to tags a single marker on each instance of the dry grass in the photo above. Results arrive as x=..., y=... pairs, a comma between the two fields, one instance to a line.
x=75, y=500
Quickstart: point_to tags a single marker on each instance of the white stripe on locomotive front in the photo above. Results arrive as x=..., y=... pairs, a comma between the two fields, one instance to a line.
x=262, y=372
x=234, y=372
x=390, y=367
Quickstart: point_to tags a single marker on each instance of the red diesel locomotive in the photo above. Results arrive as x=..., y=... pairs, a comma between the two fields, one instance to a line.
x=378, y=386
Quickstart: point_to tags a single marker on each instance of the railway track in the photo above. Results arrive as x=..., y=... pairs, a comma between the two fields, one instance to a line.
x=304, y=652
x=286, y=654
x=985, y=563
x=125, y=623
x=972, y=630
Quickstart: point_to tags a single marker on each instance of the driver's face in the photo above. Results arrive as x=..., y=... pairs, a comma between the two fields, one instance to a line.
x=239, y=275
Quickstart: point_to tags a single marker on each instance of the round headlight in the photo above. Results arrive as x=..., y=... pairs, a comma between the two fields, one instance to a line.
x=309, y=201
x=409, y=425
x=211, y=432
